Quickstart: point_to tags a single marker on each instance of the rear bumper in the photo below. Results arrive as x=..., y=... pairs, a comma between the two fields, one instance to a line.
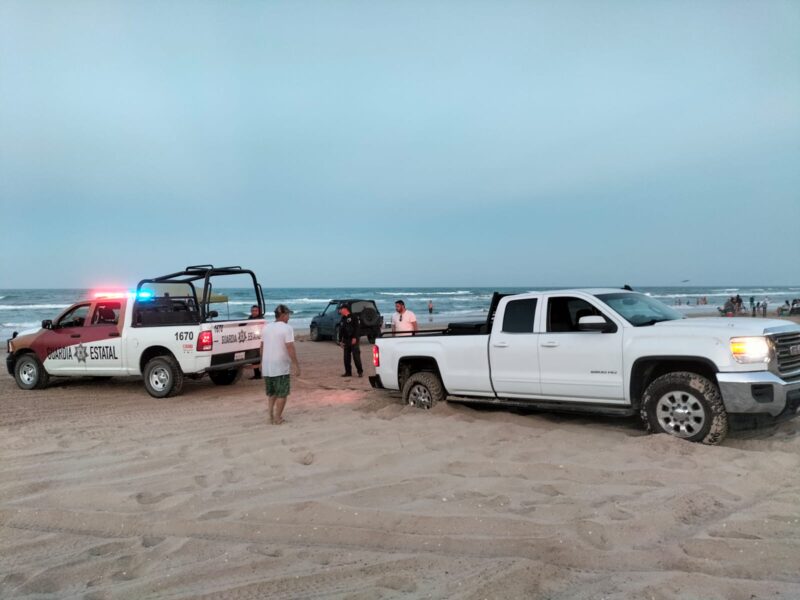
x=761, y=394
x=228, y=360
x=375, y=381
x=10, y=364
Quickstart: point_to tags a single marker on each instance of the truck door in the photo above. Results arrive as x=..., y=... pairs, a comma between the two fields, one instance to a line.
x=514, y=351
x=62, y=348
x=579, y=365
x=103, y=339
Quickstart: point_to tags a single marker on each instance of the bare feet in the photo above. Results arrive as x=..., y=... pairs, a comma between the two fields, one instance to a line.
x=278, y=421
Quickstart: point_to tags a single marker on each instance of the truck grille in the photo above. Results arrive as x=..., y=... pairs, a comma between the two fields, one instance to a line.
x=787, y=350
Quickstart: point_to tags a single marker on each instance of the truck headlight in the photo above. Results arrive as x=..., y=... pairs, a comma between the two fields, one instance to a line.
x=751, y=349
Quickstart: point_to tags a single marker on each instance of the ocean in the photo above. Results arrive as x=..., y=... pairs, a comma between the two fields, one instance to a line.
x=26, y=308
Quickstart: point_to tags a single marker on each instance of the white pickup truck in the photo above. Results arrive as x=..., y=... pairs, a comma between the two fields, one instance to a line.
x=170, y=327
x=606, y=351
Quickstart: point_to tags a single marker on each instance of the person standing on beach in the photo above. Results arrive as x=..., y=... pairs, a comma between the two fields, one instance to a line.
x=350, y=341
x=277, y=357
x=255, y=313
x=430, y=307
x=403, y=320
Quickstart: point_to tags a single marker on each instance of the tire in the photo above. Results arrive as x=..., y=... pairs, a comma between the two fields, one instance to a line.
x=335, y=336
x=29, y=373
x=369, y=316
x=163, y=377
x=685, y=405
x=313, y=333
x=226, y=377
x=423, y=390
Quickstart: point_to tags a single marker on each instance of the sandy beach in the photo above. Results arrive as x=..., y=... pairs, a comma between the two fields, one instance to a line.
x=106, y=492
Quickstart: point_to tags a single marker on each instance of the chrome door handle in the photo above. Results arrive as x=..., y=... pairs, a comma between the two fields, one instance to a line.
x=500, y=344
x=549, y=344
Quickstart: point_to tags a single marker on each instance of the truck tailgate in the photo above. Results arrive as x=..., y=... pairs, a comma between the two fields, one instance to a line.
x=236, y=341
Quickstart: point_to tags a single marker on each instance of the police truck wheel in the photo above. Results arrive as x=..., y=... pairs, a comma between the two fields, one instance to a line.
x=29, y=373
x=335, y=336
x=369, y=316
x=685, y=405
x=423, y=390
x=226, y=377
x=163, y=377
x=314, y=333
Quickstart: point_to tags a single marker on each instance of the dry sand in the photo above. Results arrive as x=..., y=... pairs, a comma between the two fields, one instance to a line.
x=108, y=493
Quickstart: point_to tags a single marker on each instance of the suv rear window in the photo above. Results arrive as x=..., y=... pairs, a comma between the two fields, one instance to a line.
x=357, y=307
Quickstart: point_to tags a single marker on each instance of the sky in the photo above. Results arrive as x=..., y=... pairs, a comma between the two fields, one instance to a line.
x=401, y=143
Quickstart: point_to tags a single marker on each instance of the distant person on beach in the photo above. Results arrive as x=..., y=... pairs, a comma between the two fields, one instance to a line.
x=350, y=341
x=430, y=307
x=729, y=307
x=277, y=357
x=403, y=320
x=753, y=305
x=764, y=304
x=255, y=313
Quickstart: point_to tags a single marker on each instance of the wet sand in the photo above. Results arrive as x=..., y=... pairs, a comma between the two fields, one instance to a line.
x=108, y=493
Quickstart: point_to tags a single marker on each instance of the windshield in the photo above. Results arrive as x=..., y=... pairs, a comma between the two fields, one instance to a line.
x=638, y=309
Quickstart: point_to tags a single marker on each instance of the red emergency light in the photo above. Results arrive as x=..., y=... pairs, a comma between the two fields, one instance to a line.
x=376, y=356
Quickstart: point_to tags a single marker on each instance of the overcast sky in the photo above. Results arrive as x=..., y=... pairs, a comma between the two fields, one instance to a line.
x=401, y=143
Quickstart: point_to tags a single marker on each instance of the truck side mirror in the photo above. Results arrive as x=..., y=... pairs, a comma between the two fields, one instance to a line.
x=212, y=314
x=592, y=323
x=47, y=324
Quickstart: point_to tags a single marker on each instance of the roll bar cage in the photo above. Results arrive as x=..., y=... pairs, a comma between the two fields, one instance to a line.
x=194, y=273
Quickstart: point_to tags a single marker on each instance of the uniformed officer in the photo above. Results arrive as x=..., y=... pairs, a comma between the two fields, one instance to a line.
x=350, y=340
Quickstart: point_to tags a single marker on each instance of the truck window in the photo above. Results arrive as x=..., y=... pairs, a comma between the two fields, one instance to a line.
x=563, y=313
x=106, y=313
x=518, y=316
x=76, y=317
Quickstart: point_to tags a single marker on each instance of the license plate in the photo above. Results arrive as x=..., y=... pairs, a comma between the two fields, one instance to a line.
x=238, y=356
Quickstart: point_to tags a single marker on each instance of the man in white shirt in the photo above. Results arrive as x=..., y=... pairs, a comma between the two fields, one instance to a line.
x=277, y=357
x=403, y=320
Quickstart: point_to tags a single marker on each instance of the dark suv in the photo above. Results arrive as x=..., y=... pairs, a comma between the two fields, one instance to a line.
x=326, y=324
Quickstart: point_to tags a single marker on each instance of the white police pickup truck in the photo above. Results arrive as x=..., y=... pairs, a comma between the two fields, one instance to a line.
x=605, y=351
x=170, y=327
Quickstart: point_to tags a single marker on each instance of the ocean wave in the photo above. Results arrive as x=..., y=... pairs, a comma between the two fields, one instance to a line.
x=401, y=294
x=303, y=301
x=30, y=306
x=33, y=324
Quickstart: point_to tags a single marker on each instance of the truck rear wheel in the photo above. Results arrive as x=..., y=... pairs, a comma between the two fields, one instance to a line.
x=423, y=390
x=163, y=377
x=685, y=405
x=313, y=333
x=29, y=373
x=226, y=377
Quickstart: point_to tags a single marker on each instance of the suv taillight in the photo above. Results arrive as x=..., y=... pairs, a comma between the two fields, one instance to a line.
x=205, y=341
x=376, y=356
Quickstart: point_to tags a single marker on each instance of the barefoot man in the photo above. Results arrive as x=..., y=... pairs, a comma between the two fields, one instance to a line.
x=277, y=357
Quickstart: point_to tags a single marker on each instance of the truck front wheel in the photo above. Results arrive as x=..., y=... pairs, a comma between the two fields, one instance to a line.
x=423, y=390
x=29, y=373
x=686, y=405
x=163, y=377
